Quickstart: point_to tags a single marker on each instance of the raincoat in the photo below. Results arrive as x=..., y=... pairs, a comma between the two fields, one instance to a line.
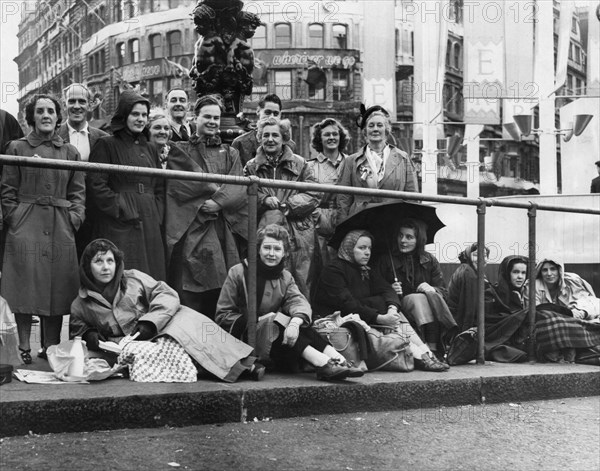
x=128, y=209
x=207, y=244
x=296, y=216
x=43, y=208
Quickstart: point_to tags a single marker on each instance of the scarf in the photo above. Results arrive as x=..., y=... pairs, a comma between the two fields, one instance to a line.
x=346, y=250
x=264, y=273
x=87, y=280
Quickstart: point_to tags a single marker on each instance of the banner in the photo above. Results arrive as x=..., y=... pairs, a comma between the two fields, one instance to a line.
x=484, y=81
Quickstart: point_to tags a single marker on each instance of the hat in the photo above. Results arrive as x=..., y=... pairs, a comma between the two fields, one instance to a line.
x=365, y=114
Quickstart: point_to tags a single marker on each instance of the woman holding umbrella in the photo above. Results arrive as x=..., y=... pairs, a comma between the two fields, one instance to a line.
x=378, y=165
x=349, y=285
x=416, y=277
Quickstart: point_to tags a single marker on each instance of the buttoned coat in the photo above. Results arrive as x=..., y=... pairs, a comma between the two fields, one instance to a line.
x=42, y=208
x=400, y=175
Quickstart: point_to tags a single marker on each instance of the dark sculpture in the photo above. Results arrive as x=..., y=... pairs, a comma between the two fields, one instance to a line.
x=223, y=60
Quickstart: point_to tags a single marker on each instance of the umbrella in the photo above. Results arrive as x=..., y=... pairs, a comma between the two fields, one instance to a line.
x=382, y=220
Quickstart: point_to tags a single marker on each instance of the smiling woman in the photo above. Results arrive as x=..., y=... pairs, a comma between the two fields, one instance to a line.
x=129, y=210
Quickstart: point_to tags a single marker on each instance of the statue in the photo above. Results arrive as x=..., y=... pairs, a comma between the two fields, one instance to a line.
x=223, y=59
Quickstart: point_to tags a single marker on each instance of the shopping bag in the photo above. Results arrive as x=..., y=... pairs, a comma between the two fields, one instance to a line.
x=9, y=339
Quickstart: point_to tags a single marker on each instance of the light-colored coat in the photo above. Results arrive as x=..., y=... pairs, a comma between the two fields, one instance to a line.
x=142, y=298
x=43, y=208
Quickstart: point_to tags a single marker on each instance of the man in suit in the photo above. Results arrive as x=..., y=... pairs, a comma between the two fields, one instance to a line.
x=247, y=144
x=78, y=132
x=177, y=106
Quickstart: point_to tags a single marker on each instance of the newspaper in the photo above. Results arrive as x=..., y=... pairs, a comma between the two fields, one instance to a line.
x=41, y=377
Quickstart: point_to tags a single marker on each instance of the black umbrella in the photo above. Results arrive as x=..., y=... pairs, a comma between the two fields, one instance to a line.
x=382, y=220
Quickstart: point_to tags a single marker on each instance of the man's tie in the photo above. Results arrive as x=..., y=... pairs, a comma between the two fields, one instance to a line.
x=184, y=133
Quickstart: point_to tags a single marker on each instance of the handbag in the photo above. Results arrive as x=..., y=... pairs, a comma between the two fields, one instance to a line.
x=341, y=339
x=390, y=350
x=463, y=348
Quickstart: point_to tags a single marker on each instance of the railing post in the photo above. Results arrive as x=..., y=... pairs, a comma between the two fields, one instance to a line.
x=252, y=255
x=531, y=214
x=481, y=209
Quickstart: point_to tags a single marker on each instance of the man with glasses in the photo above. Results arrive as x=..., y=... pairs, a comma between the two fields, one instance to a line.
x=247, y=144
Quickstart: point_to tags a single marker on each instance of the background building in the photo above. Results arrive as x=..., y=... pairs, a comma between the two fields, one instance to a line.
x=309, y=53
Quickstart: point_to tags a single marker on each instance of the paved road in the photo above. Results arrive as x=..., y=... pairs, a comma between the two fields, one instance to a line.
x=543, y=435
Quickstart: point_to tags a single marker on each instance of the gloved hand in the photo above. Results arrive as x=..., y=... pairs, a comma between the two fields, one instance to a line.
x=146, y=329
x=92, y=339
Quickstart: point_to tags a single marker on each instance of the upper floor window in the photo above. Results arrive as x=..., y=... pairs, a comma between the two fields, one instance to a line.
x=315, y=36
x=155, y=46
x=457, y=56
x=283, y=84
x=120, y=54
x=340, y=36
x=283, y=35
x=134, y=50
x=259, y=40
x=174, y=43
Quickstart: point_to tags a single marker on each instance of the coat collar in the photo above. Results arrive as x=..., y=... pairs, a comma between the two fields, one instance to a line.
x=35, y=140
x=322, y=158
x=287, y=160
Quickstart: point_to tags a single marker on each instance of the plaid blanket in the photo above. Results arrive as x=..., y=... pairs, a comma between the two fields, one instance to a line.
x=554, y=331
x=161, y=361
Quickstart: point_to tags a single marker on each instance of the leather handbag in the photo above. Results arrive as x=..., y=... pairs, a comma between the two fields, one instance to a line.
x=341, y=339
x=390, y=350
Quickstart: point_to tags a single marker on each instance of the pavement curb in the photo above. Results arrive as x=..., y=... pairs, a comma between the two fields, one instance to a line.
x=123, y=404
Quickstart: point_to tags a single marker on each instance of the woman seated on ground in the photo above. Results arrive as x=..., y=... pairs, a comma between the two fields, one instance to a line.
x=462, y=290
x=114, y=302
x=350, y=286
x=506, y=317
x=567, y=313
x=284, y=335
x=416, y=277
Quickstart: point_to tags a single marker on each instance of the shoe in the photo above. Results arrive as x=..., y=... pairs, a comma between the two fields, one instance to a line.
x=42, y=354
x=353, y=371
x=569, y=355
x=554, y=356
x=35, y=320
x=258, y=372
x=332, y=371
x=26, y=356
x=430, y=363
x=441, y=357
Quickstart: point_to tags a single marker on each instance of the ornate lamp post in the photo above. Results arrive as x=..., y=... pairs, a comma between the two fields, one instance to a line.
x=223, y=59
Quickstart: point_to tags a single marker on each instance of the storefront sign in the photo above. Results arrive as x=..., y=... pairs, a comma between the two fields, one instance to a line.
x=323, y=58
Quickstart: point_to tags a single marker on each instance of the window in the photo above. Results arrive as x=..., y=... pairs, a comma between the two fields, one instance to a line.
x=130, y=8
x=120, y=54
x=134, y=50
x=259, y=40
x=156, y=91
x=174, y=43
x=315, y=36
x=283, y=35
x=283, y=84
x=341, y=85
x=340, y=36
x=449, y=54
x=258, y=91
x=117, y=11
x=155, y=46
x=457, y=55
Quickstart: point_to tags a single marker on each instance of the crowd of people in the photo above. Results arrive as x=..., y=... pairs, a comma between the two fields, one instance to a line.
x=131, y=255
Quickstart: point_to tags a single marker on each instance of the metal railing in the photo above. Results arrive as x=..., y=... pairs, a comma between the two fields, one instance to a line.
x=253, y=183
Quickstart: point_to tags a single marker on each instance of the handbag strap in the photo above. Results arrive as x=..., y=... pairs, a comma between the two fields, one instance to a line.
x=349, y=339
x=385, y=363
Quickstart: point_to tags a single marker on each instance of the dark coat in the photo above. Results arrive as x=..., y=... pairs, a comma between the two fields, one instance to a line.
x=10, y=129
x=175, y=137
x=94, y=134
x=128, y=209
x=43, y=208
x=462, y=296
x=400, y=175
x=595, y=187
x=207, y=258
x=427, y=270
x=341, y=288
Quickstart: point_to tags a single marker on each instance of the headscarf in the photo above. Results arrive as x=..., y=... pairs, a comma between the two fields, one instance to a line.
x=346, y=250
x=465, y=255
x=509, y=294
x=127, y=100
x=87, y=280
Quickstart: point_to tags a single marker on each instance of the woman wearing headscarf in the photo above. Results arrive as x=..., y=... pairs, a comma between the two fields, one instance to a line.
x=462, y=289
x=378, y=165
x=350, y=286
x=114, y=302
x=416, y=277
x=43, y=208
x=567, y=312
x=284, y=333
x=128, y=209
